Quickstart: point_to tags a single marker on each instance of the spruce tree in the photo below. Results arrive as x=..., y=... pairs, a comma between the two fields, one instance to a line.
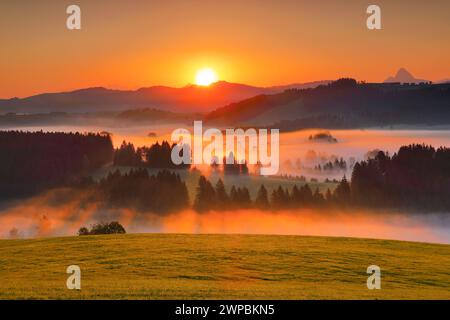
x=262, y=199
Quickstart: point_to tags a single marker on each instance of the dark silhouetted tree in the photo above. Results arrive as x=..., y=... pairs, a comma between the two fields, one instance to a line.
x=262, y=198
x=206, y=196
x=280, y=198
x=127, y=155
x=342, y=193
x=221, y=194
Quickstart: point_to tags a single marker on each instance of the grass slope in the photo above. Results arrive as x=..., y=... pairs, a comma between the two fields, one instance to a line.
x=167, y=266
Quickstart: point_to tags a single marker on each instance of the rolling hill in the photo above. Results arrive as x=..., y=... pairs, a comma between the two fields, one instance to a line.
x=174, y=266
x=342, y=104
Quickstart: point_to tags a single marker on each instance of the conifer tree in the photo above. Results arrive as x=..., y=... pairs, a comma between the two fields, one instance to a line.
x=206, y=196
x=221, y=194
x=262, y=199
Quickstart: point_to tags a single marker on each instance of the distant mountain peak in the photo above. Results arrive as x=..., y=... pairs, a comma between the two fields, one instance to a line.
x=404, y=76
x=402, y=72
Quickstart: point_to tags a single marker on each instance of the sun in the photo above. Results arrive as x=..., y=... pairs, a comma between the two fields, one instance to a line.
x=205, y=77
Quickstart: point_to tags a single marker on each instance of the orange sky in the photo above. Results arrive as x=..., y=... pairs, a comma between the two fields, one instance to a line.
x=134, y=43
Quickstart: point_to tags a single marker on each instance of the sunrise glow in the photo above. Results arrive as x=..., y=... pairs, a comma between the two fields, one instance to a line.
x=205, y=77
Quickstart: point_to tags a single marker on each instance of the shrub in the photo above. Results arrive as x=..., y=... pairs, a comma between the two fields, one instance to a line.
x=103, y=228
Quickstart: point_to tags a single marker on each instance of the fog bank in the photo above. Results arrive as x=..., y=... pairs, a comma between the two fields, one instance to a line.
x=49, y=215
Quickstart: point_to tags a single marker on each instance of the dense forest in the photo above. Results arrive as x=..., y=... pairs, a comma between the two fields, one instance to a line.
x=155, y=156
x=160, y=193
x=33, y=161
x=215, y=197
x=417, y=177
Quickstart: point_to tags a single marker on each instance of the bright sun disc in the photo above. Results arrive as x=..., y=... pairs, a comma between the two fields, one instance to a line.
x=205, y=77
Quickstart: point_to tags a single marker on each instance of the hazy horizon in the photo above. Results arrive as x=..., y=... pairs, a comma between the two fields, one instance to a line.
x=273, y=85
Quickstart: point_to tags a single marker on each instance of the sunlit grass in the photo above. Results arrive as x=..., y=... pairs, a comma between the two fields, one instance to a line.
x=157, y=266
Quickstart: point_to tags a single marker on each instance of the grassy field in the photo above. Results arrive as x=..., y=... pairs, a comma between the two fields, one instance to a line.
x=168, y=266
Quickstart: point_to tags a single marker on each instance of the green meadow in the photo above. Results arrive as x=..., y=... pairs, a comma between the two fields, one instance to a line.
x=171, y=266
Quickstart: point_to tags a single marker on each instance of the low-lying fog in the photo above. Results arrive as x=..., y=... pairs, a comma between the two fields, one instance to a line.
x=299, y=155
x=42, y=216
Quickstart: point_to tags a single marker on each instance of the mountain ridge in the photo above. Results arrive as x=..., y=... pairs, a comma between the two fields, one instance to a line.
x=344, y=103
x=191, y=98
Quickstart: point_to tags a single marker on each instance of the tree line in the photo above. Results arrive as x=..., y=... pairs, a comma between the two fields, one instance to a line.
x=156, y=156
x=33, y=161
x=416, y=177
x=159, y=156
x=215, y=197
x=161, y=193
